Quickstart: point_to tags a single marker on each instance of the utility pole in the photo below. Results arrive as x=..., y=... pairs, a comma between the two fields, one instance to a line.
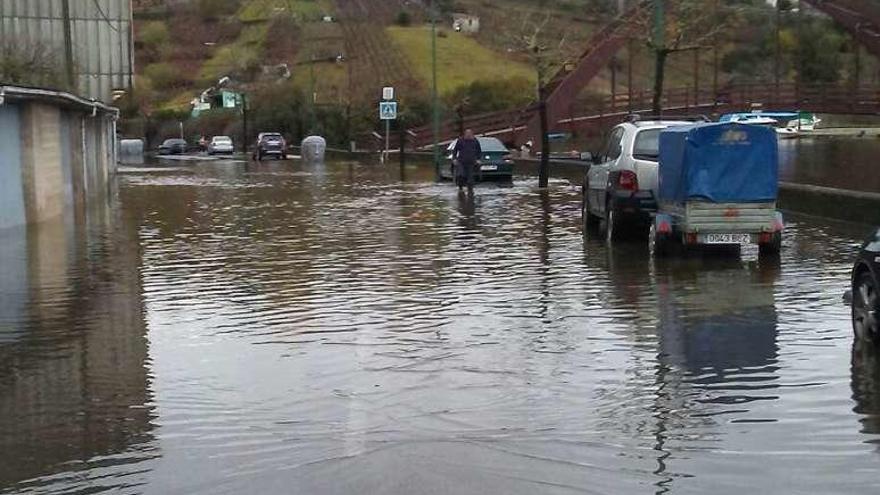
x=697, y=76
x=68, y=45
x=244, y=122
x=778, y=56
x=434, y=100
x=312, y=96
x=715, y=58
x=629, y=74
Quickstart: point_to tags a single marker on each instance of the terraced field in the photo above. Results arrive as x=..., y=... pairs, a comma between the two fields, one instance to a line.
x=376, y=60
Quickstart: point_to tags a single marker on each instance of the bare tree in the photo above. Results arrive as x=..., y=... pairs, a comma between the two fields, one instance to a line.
x=545, y=51
x=681, y=25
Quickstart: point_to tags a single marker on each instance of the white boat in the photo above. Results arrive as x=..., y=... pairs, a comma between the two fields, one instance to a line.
x=807, y=124
x=786, y=132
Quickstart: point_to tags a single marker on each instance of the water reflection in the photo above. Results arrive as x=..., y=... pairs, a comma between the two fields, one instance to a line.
x=74, y=387
x=866, y=387
x=327, y=331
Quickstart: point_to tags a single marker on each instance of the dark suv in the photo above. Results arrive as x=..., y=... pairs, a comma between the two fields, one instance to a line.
x=270, y=144
x=865, y=286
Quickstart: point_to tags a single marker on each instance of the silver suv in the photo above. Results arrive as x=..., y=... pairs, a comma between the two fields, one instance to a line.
x=620, y=189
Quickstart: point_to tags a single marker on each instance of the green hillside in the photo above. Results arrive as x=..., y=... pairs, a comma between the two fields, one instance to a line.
x=461, y=59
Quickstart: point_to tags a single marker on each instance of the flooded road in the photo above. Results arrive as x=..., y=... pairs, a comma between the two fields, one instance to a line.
x=281, y=328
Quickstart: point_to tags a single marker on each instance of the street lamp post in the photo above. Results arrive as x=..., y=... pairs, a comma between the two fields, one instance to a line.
x=434, y=102
x=244, y=122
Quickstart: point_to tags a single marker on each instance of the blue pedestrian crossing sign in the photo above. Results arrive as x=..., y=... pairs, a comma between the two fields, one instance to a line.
x=388, y=110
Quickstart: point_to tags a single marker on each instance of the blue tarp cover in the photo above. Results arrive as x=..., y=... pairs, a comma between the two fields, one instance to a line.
x=719, y=162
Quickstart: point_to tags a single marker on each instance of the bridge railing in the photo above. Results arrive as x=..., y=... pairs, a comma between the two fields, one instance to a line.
x=828, y=98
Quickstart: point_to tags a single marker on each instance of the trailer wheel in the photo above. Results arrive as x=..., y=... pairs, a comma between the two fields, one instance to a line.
x=771, y=248
x=659, y=244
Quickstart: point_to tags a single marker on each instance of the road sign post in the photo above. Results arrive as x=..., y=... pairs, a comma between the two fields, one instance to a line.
x=387, y=112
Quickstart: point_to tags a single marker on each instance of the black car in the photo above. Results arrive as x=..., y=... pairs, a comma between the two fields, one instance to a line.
x=865, y=295
x=270, y=144
x=496, y=162
x=173, y=147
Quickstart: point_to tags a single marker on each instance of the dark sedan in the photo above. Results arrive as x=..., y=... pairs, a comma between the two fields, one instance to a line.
x=173, y=147
x=496, y=162
x=865, y=284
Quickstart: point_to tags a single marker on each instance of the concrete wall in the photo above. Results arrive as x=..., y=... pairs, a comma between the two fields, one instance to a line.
x=101, y=31
x=55, y=160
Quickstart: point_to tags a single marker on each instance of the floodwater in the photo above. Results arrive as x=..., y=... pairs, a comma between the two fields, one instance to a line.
x=843, y=162
x=334, y=329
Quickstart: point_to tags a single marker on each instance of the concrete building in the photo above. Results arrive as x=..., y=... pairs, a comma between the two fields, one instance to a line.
x=58, y=154
x=100, y=32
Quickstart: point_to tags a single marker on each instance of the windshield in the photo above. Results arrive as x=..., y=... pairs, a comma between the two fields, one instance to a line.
x=271, y=137
x=647, y=145
x=173, y=142
x=222, y=139
x=492, y=145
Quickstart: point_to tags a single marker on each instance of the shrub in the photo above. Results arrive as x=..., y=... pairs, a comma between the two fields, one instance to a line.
x=163, y=76
x=214, y=9
x=491, y=95
x=155, y=39
x=154, y=34
x=403, y=19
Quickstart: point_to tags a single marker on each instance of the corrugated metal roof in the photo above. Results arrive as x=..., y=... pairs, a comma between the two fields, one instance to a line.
x=101, y=31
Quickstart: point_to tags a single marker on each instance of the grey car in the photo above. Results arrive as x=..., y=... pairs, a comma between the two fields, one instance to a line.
x=620, y=188
x=221, y=145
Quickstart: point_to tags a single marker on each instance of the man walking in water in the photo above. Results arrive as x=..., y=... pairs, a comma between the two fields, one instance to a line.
x=466, y=153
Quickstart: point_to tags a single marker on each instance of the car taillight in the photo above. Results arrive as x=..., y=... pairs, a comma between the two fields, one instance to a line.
x=628, y=181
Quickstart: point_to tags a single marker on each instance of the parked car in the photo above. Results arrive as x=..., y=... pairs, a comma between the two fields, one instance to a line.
x=270, y=144
x=620, y=188
x=865, y=287
x=718, y=185
x=496, y=162
x=173, y=146
x=221, y=145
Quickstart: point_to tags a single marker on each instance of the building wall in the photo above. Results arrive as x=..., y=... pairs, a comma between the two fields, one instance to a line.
x=11, y=191
x=55, y=161
x=101, y=31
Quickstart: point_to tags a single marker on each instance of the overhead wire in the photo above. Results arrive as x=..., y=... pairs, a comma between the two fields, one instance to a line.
x=104, y=15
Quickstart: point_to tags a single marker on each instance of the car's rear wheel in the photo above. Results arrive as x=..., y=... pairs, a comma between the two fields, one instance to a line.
x=610, y=225
x=589, y=220
x=866, y=308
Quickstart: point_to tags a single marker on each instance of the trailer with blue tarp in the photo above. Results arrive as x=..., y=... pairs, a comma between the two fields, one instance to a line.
x=718, y=184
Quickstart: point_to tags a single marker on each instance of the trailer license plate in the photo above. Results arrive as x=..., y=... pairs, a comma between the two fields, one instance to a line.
x=489, y=168
x=727, y=239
